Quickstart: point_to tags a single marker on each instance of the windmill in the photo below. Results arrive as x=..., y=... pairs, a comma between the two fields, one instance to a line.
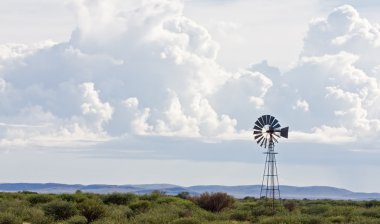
x=267, y=131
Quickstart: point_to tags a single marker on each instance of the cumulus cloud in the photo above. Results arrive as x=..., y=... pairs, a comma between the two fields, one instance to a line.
x=129, y=68
x=334, y=80
x=93, y=109
x=301, y=105
x=344, y=30
x=324, y=134
x=143, y=68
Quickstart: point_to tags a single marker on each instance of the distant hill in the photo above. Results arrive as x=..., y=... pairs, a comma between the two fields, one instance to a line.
x=313, y=192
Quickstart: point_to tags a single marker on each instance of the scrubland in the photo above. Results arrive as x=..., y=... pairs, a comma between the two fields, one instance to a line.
x=216, y=208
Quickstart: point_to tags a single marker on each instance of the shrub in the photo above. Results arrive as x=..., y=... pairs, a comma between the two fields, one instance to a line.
x=111, y=221
x=67, y=197
x=262, y=210
x=36, y=216
x=240, y=216
x=140, y=206
x=185, y=213
x=315, y=209
x=78, y=198
x=336, y=219
x=153, y=196
x=290, y=205
x=27, y=192
x=39, y=199
x=184, y=195
x=8, y=218
x=119, y=199
x=60, y=210
x=214, y=202
x=371, y=212
x=186, y=221
x=311, y=219
x=78, y=219
x=372, y=203
x=286, y=219
x=92, y=209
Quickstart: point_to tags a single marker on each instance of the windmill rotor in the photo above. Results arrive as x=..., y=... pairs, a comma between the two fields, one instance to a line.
x=268, y=129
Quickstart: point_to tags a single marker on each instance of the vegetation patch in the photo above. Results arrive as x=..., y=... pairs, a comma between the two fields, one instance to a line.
x=157, y=208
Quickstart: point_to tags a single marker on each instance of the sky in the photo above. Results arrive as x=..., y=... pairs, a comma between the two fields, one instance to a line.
x=167, y=91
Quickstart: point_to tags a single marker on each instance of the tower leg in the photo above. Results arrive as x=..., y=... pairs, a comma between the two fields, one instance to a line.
x=270, y=188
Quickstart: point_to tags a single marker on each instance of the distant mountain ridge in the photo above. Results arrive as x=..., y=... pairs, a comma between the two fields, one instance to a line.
x=313, y=192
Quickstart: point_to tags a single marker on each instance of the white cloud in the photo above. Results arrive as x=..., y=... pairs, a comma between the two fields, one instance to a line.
x=94, y=110
x=324, y=134
x=144, y=68
x=344, y=30
x=13, y=51
x=302, y=105
x=119, y=52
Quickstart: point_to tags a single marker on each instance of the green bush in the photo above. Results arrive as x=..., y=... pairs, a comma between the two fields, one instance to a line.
x=153, y=196
x=40, y=198
x=119, y=198
x=27, y=192
x=310, y=219
x=372, y=203
x=290, y=205
x=262, y=210
x=78, y=219
x=315, y=209
x=240, y=216
x=8, y=218
x=184, y=195
x=110, y=221
x=140, y=206
x=185, y=213
x=372, y=212
x=186, y=221
x=92, y=209
x=37, y=216
x=60, y=210
x=214, y=202
x=68, y=197
x=336, y=219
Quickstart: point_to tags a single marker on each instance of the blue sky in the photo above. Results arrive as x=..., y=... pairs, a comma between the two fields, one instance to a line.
x=167, y=91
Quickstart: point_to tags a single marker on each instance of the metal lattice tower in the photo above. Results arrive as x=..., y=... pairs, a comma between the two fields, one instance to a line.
x=270, y=187
x=266, y=131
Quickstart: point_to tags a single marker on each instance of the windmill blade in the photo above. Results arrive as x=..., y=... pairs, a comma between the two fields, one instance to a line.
x=267, y=119
x=261, y=121
x=258, y=136
x=277, y=126
x=271, y=120
x=257, y=132
x=262, y=142
x=264, y=119
x=274, y=138
x=260, y=139
x=284, y=132
x=257, y=128
x=274, y=122
x=257, y=123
